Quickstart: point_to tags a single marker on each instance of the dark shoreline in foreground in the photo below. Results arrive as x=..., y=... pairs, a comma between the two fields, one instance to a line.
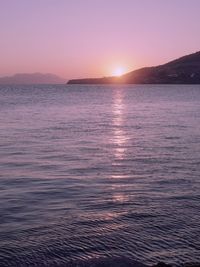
x=121, y=262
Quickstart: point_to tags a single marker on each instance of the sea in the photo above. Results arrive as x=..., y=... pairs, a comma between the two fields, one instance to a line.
x=90, y=172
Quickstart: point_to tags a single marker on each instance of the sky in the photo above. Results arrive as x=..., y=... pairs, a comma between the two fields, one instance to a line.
x=93, y=38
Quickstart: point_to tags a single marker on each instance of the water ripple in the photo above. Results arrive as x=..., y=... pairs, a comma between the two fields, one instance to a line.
x=97, y=174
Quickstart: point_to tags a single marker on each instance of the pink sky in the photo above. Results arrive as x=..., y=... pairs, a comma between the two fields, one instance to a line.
x=90, y=38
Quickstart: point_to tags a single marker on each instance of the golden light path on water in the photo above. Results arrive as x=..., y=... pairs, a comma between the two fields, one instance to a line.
x=119, y=137
x=119, y=141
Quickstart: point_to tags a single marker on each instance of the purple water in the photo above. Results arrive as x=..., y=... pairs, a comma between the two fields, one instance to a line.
x=96, y=171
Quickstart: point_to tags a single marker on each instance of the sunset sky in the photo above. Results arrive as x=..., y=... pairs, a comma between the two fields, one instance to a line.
x=92, y=38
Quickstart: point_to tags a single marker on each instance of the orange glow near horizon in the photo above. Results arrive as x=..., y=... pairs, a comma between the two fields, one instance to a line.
x=119, y=71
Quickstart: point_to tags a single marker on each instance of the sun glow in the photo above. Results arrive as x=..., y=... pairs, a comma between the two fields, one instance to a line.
x=119, y=71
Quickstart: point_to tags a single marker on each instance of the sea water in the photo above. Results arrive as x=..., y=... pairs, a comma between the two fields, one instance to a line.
x=99, y=171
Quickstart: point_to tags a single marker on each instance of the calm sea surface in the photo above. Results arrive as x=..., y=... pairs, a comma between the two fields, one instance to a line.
x=92, y=171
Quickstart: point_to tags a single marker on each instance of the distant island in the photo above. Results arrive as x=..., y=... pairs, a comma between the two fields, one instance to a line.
x=185, y=70
x=32, y=78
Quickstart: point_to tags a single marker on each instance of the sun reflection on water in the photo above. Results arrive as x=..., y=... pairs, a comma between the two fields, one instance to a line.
x=119, y=137
x=119, y=141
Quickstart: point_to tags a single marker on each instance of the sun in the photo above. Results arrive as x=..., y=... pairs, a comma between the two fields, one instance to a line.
x=119, y=71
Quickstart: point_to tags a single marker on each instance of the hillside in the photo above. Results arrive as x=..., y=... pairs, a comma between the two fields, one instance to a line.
x=185, y=70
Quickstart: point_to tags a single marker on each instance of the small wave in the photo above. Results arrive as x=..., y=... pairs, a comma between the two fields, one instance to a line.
x=108, y=262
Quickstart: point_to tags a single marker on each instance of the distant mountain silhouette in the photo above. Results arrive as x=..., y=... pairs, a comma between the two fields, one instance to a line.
x=185, y=70
x=32, y=78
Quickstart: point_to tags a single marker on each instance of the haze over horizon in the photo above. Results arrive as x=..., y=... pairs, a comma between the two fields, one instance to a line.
x=91, y=38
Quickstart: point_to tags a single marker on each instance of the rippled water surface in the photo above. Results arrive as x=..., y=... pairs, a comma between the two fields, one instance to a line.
x=91, y=171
